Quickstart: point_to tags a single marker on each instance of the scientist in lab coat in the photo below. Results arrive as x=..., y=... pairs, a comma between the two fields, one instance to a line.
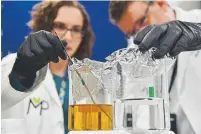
x=171, y=32
x=45, y=110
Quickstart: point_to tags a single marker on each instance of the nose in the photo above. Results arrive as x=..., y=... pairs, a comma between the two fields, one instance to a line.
x=68, y=36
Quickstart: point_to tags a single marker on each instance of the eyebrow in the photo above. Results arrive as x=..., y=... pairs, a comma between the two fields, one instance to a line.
x=76, y=25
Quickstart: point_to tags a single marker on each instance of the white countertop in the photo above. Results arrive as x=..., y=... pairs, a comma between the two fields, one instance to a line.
x=116, y=132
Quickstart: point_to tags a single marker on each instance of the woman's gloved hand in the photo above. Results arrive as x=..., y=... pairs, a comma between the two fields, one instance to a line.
x=37, y=51
x=169, y=38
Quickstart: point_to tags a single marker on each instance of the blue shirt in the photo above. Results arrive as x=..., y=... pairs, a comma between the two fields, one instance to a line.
x=62, y=86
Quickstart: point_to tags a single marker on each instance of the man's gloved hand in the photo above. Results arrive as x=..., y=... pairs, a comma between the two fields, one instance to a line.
x=37, y=51
x=169, y=38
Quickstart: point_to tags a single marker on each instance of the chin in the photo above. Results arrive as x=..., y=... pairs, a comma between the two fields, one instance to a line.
x=69, y=52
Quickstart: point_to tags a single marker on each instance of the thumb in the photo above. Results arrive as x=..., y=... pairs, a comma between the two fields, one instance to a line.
x=62, y=53
x=64, y=43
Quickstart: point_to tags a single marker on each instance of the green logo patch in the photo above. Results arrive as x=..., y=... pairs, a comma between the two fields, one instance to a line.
x=36, y=100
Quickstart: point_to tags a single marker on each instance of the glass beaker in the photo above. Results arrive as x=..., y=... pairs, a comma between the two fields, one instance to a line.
x=91, y=108
x=140, y=94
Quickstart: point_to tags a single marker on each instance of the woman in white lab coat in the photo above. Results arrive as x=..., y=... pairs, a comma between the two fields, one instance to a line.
x=185, y=95
x=44, y=111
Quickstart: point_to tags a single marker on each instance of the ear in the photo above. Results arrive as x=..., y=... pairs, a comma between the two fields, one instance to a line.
x=162, y=4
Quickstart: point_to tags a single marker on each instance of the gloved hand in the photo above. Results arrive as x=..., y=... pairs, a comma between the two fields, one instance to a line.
x=37, y=51
x=169, y=38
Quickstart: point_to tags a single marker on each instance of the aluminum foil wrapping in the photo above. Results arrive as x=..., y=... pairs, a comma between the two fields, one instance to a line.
x=133, y=72
x=126, y=74
x=133, y=55
x=91, y=73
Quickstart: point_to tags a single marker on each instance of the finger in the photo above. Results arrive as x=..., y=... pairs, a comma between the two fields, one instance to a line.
x=44, y=43
x=26, y=48
x=63, y=53
x=152, y=37
x=54, y=58
x=55, y=41
x=35, y=46
x=179, y=47
x=140, y=35
x=49, y=49
x=64, y=43
x=160, y=52
x=169, y=40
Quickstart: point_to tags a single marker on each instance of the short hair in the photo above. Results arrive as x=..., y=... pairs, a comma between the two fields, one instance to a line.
x=118, y=8
x=44, y=13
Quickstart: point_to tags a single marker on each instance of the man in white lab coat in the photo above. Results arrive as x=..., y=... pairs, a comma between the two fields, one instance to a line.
x=170, y=39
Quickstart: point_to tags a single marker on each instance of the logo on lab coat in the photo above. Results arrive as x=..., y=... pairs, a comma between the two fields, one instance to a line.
x=37, y=103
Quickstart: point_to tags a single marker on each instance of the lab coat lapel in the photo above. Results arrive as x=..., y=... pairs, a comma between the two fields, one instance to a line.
x=190, y=86
x=190, y=98
x=51, y=87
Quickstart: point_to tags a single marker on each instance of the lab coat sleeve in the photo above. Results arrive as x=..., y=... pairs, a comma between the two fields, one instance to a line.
x=9, y=95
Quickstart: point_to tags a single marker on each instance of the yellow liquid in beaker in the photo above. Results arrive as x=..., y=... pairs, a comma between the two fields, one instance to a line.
x=90, y=117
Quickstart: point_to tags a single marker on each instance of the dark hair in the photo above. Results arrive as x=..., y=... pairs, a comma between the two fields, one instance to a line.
x=44, y=13
x=118, y=8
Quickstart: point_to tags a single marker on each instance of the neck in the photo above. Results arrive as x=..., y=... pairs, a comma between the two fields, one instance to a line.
x=171, y=14
x=59, y=68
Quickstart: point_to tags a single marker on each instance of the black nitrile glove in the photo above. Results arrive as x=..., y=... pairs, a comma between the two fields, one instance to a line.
x=169, y=38
x=36, y=52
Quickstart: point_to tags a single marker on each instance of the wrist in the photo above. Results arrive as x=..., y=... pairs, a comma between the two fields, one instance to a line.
x=21, y=83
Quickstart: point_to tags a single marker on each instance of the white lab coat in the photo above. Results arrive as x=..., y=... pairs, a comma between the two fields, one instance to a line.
x=185, y=96
x=13, y=123
x=24, y=117
x=50, y=121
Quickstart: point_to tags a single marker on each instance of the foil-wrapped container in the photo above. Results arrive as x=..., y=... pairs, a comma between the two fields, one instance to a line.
x=90, y=72
x=139, y=88
x=136, y=81
x=126, y=71
x=134, y=73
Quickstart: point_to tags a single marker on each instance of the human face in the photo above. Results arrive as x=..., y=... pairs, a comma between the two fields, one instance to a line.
x=68, y=24
x=140, y=14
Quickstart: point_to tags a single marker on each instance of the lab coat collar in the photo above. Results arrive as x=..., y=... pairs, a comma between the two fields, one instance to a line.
x=179, y=13
x=188, y=16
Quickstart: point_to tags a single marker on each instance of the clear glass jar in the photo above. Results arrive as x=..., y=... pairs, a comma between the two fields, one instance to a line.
x=139, y=90
x=90, y=107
